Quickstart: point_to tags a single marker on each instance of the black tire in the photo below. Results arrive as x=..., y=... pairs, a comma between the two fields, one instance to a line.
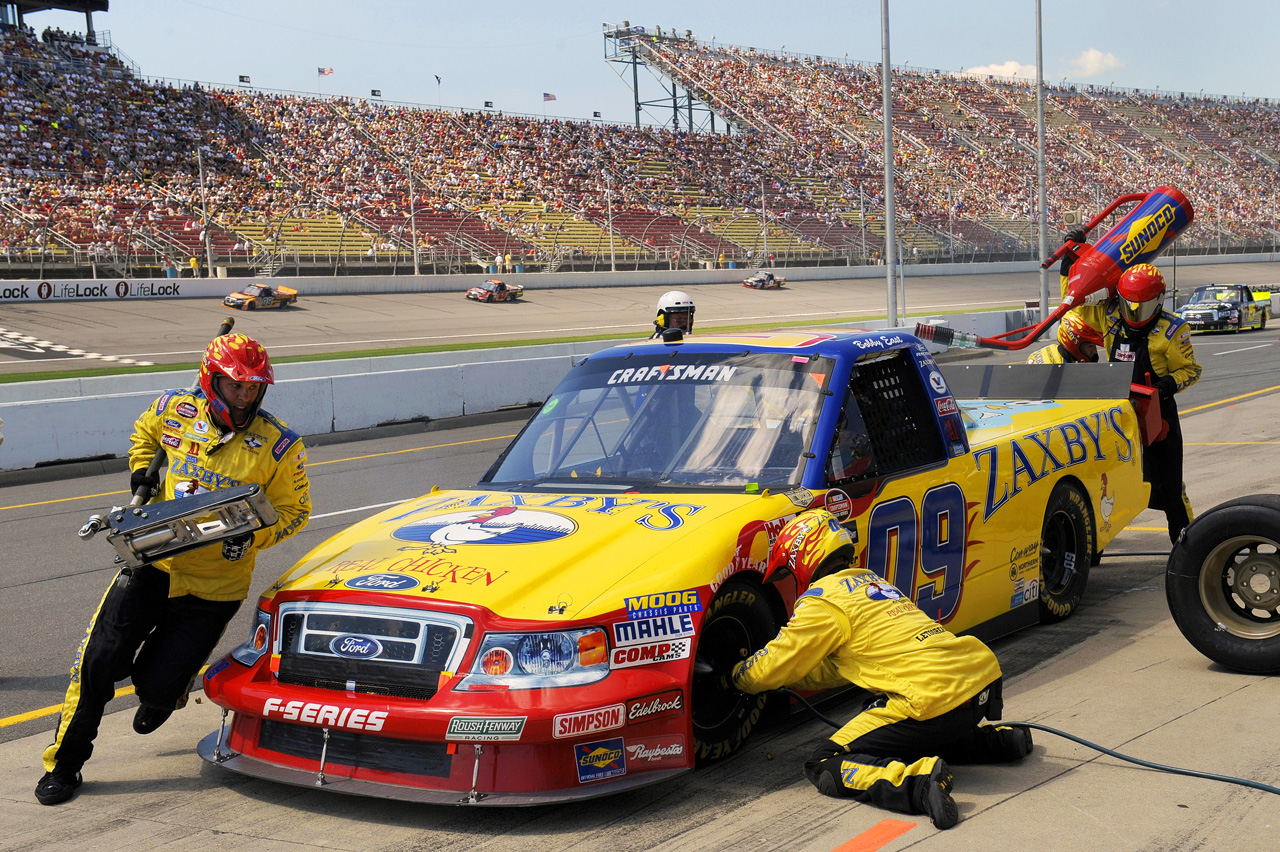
x=739, y=622
x=1067, y=540
x=249, y=306
x=1222, y=582
x=1262, y=324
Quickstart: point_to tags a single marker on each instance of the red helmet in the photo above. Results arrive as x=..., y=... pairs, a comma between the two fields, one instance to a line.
x=240, y=359
x=804, y=545
x=1073, y=332
x=1141, y=291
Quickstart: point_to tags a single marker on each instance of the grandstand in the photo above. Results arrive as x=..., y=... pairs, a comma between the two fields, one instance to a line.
x=104, y=171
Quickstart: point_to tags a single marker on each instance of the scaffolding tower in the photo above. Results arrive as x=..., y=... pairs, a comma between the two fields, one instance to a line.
x=622, y=48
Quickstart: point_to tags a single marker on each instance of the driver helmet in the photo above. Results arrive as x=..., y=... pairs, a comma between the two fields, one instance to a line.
x=1078, y=338
x=236, y=358
x=675, y=310
x=1141, y=291
x=804, y=545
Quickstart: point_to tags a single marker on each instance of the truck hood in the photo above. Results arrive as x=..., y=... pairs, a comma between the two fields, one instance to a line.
x=523, y=555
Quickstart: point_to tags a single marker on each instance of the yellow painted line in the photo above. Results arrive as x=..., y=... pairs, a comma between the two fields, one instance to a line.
x=312, y=464
x=1232, y=399
x=55, y=709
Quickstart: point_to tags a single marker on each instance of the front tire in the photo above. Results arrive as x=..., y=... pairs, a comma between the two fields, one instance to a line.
x=1222, y=583
x=1067, y=540
x=739, y=622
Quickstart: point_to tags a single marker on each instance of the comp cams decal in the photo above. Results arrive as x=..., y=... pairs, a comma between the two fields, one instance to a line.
x=650, y=654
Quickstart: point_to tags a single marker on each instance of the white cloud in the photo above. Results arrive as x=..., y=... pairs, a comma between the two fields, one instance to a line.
x=1091, y=63
x=1011, y=68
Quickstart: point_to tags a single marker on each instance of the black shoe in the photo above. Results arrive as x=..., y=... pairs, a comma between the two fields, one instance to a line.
x=148, y=718
x=829, y=786
x=1013, y=742
x=935, y=796
x=56, y=787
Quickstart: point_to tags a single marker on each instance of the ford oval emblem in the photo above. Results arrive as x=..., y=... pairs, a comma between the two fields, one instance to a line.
x=355, y=647
x=382, y=582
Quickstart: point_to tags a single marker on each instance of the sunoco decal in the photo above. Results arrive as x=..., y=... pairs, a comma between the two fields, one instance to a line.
x=587, y=722
x=485, y=728
x=506, y=525
x=599, y=760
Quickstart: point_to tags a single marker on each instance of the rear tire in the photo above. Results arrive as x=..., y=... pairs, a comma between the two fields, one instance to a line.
x=739, y=622
x=1222, y=583
x=1067, y=540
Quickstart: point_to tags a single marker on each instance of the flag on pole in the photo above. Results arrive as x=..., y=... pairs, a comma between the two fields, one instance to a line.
x=244, y=78
x=324, y=72
x=437, y=79
x=547, y=96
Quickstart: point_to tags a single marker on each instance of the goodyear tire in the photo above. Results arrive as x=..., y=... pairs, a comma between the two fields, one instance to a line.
x=1067, y=541
x=1222, y=582
x=740, y=621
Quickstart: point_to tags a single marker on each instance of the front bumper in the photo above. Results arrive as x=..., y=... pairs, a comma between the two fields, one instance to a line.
x=335, y=778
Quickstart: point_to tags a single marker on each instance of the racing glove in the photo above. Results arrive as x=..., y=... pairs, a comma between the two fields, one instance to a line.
x=1167, y=386
x=234, y=549
x=1077, y=236
x=141, y=477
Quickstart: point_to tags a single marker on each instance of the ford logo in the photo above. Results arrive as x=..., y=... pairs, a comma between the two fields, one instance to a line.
x=356, y=647
x=382, y=582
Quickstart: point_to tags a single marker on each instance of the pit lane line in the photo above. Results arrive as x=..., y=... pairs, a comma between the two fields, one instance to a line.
x=1246, y=349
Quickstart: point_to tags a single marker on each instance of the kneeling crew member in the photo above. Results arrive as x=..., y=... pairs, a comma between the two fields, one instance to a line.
x=931, y=689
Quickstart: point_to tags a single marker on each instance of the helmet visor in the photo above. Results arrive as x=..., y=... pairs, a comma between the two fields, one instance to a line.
x=1139, y=313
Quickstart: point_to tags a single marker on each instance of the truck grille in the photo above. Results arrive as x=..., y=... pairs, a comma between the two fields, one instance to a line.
x=358, y=750
x=367, y=649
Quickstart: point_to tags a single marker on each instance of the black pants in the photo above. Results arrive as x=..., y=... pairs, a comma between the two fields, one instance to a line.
x=1162, y=467
x=140, y=632
x=888, y=765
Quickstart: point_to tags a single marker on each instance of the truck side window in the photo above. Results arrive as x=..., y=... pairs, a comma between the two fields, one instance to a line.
x=887, y=424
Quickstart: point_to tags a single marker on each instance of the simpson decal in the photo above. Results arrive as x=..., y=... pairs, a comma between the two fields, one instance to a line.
x=587, y=722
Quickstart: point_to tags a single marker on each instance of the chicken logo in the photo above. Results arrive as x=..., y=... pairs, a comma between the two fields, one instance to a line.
x=1106, y=503
x=504, y=525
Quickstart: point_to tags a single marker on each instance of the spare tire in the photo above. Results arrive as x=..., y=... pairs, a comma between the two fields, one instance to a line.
x=1222, y=583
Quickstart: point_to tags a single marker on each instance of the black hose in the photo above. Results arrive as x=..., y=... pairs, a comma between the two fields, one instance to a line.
x=1257, y=785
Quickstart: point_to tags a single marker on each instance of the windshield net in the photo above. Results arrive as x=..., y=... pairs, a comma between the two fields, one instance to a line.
x=674, y=418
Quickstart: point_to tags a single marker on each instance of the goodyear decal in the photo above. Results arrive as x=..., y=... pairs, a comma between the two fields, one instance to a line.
x=660, y=604
x=1037, y=454
x=657, y=515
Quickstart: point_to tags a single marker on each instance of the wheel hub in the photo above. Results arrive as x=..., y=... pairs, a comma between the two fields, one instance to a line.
x=1258, y=583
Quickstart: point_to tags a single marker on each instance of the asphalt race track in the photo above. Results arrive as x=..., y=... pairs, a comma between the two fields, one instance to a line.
x=1117, y=672
x=36, y=336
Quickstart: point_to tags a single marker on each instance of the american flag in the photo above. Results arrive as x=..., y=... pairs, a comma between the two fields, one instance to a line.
x=323, y=72
x=547, y=96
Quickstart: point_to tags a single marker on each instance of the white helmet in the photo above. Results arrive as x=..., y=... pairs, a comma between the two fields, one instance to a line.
x=675, y=310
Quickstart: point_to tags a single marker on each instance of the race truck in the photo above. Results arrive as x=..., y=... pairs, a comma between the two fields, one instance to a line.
x=1223, y=306
x=764, y=280
x=554, y=632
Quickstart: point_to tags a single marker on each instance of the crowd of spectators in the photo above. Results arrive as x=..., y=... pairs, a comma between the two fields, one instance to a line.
x=97, y=159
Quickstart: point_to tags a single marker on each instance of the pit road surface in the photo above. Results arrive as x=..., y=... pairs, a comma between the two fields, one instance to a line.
x=1117, y=672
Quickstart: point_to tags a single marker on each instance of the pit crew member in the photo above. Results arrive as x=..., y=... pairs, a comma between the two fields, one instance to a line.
x=158, y=624
x=1077, y=342
x=930, y=689
x=675, y=310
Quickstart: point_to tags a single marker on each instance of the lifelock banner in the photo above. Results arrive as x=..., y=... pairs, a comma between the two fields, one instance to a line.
x=87, y=290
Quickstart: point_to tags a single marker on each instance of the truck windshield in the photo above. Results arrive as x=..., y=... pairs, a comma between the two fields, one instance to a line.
x=673, y=418
x=1216, y=294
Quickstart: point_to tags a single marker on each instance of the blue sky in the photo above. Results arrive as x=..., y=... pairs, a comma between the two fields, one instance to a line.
x=512, y=52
